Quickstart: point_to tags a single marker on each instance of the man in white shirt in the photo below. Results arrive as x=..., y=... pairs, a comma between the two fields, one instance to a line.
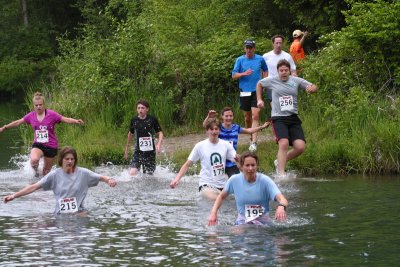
x=272, y=58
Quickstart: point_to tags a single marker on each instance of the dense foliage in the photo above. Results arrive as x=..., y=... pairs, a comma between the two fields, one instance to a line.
x=28, y=40
x=179, y=55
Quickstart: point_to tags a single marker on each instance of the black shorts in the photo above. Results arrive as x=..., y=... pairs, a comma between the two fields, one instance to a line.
x=201, y=187
x=288, y=127
x=248, y=102
x=48, y=152
x=145, y=160
x=232, y=170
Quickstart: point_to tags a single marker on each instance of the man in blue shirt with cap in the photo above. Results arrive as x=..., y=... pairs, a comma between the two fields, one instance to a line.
x=249, y=69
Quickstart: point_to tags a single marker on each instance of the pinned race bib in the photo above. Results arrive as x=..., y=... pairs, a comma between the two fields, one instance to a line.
x=253, y=212
x=286, y=103
x=243, y=94
x=146, y=143
x=42, y=136
x=218, y=170
x=68, y=205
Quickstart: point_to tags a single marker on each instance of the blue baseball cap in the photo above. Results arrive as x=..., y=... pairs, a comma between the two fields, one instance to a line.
x=249, y=43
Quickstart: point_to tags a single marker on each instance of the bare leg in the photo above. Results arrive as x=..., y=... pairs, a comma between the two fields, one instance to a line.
x=35, y=156
x=255, y=112
x=282, y=155
x=48, y=163
x=298, y=148
x=247, y=118
x=133, y=171
x=210, y=193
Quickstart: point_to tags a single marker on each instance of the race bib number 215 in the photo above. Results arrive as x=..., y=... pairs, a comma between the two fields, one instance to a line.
x=68, y=205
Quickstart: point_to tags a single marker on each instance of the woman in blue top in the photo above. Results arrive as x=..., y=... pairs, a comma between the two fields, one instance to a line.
x=252, y=191
x=230, y=132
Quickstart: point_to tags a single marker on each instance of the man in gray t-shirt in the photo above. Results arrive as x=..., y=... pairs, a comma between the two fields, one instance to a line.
x=286, y=124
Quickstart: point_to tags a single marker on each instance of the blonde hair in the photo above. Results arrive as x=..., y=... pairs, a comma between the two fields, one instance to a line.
x=38, y=96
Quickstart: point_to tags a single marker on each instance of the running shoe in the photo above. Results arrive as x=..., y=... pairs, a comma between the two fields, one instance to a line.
x=253, y=147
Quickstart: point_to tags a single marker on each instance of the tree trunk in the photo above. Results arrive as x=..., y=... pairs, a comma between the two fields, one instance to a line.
x=25, y=13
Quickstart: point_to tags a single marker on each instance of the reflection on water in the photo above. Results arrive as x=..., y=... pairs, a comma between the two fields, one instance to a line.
x=331, y=222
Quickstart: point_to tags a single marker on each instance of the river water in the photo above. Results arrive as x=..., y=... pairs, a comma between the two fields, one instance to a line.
x=332, y=221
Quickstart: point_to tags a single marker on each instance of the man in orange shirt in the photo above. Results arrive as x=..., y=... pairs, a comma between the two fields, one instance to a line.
x=296, y=48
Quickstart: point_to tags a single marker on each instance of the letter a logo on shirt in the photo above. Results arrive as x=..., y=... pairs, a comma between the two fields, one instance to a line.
x=215, y=159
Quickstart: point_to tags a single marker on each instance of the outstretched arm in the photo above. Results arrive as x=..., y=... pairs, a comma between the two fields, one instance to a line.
x=181, y=172
x=108, y=180
x=256, y=129
x=71, y=120
x=24, y=191
x=12, y=124
x=213, y=218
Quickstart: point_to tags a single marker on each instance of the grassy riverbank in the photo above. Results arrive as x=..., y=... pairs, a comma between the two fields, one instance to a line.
x=351, y=124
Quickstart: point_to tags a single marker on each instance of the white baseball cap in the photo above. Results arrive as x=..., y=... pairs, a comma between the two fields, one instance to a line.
x=297, y=33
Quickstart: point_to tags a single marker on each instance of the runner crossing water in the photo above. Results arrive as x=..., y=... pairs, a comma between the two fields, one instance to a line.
x=43, y=122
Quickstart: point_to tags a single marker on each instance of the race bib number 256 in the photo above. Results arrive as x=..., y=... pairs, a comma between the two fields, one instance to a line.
x=286, y=103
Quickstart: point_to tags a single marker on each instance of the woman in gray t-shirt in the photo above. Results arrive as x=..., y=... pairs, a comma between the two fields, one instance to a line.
x=69, y=183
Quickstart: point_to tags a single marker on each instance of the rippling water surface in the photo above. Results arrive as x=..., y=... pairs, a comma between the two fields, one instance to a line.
x=332, y=221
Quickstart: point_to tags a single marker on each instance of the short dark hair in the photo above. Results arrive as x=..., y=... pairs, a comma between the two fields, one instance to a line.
x=277, y=36
x=283, y=62
x=64, y=152
x=143, y=102
x=246, y=155
x=226, y=109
